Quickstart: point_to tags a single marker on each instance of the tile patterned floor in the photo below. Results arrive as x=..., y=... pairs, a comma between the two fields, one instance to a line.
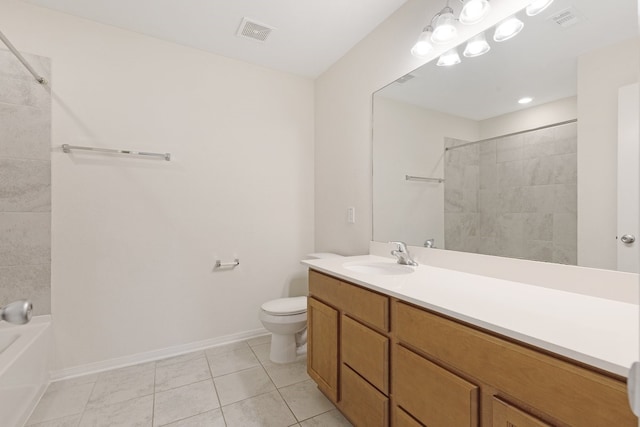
x=233, y=385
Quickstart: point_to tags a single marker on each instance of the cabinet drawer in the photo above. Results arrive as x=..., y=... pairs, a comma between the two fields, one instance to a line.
x=505, y=415
x=322, y=351
x=433, y=395
x=402, y=419
x=363, y=405
x=366, y=352
x=369, y=307
x=566, y=392
x=325, y=288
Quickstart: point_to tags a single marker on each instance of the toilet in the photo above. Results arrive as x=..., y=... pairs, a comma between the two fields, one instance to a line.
x=286, y=319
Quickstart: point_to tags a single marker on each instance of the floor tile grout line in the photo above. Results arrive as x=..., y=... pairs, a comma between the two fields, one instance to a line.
x=186, y=384
x=194, y=415
x=119, y=401
x=189, y=417
x=248, y=398
x=287, y=403
x=288, y=407
x=240, y=370
x=212, y=379
x=105, y=375
x=215, y=389
x=84, y=408
x=153, y=399
x=180, y=355
x=103, y=405
x=321, y=413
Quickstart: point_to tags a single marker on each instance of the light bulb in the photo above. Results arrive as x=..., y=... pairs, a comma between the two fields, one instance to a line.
x=449, y=58
x=525, y=100
x=445, y=29
x=474, y=11
x=507, y=29
x=476, y=46
x=537, y=6
x=423, y=46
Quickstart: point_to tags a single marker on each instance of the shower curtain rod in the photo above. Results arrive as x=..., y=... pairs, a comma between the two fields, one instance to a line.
x=512, y=134
x=24, y=62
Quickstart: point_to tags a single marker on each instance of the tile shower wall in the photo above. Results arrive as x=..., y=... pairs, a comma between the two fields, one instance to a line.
x=514, y=196
x=25, y=183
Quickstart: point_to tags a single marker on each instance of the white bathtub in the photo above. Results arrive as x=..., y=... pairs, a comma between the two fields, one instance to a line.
x=25, y=364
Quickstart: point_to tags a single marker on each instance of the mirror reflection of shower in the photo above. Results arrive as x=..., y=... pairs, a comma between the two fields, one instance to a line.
x=17, y=312
x=514, y=195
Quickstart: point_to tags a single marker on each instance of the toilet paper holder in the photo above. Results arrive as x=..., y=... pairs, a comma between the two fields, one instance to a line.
x=234, y=264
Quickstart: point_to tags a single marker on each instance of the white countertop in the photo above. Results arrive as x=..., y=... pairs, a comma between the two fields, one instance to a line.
x=596, y=331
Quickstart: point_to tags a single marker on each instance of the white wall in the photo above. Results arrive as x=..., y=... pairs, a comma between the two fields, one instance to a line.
x=135, y=240
x=600, y=74
x=530, y=118
x=409, y=140
x=343, y=119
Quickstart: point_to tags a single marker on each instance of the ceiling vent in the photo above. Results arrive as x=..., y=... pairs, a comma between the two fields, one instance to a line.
x=253, y=30
x=566, y=18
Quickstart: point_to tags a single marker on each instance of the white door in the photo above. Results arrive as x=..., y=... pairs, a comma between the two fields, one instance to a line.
x=628, y=178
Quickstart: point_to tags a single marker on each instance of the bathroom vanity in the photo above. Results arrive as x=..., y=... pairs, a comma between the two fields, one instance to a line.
x=441, y=348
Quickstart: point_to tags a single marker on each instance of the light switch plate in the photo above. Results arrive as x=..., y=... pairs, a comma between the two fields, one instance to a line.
x=351, y=215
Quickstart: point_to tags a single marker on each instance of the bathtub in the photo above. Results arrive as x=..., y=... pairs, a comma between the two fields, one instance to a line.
x=25, y=364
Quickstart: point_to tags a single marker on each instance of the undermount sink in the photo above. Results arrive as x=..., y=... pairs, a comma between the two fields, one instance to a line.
x=381, y=268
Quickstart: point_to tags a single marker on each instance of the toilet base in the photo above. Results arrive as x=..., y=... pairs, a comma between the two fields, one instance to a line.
x=283, y=348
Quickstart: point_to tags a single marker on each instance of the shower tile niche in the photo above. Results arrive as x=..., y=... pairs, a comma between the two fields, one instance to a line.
x=25, y=183
x=514, y=196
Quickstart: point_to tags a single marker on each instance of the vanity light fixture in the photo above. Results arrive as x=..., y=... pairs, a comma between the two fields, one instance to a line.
x=423, y=46
x=444, y=29
x=508, y=29
x=474, y=11
x=525, y=100
x=476, y=46
x=449, y=58
x=537, y=6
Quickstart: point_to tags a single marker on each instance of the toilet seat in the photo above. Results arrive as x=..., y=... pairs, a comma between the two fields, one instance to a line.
x=285, y=306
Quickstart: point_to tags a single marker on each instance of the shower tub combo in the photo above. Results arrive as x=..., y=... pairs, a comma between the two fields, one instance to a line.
x=25, y=364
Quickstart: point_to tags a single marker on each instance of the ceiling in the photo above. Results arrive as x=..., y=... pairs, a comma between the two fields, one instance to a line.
x=540, y=62
x=310, y=35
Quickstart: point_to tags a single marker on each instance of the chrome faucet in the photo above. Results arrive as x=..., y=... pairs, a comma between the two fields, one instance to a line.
x=402, y=254
x=430, y=243
x=18, y=312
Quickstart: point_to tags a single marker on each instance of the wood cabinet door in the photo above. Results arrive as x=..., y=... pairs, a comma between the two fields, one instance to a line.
x=366, y=352
x=362, y=403
x=402, y=419
x=565, y=392
x=322, y=347
x=505, y=415
x=431, y=394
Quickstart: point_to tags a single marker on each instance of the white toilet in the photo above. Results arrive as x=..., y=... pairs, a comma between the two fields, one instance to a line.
x=286, y=319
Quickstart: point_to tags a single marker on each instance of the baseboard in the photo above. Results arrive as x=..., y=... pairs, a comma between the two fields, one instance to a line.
x=150, y=356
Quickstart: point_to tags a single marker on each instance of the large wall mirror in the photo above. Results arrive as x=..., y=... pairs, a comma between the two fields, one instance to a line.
x=460, y=164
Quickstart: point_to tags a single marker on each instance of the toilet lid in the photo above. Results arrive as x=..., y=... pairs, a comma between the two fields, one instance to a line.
x=285, y=306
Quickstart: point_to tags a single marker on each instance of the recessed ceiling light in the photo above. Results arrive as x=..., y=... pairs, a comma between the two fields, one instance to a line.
x=525, y=100
x=449, y=58
x=474, y=11
x=537, y=6
x=508, y=29
x=476, y=46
